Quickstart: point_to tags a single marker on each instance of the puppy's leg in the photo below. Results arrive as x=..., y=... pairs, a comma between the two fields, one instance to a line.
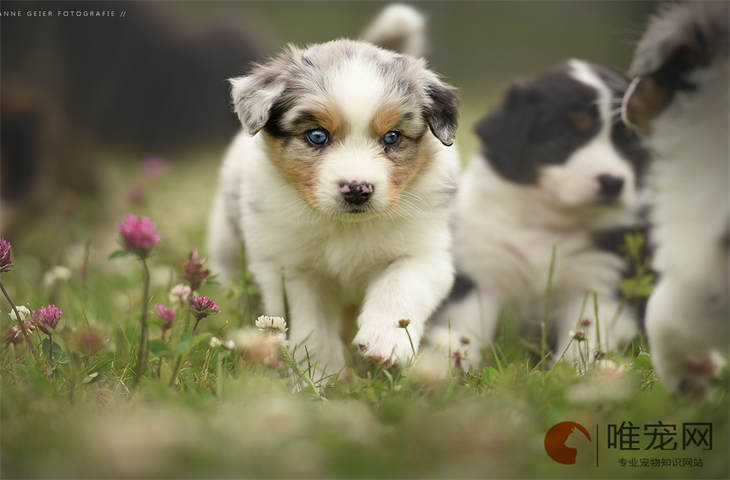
x=224, y=245
x=315, y=323
x=268, y=276
x=464, y=327
x=683, y=335
x=409, y=289
x=617, y=327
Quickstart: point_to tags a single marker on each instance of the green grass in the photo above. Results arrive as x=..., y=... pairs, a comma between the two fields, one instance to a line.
x=229, y=416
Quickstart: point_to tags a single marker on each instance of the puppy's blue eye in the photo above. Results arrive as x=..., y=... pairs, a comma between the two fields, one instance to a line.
x=318, y=136
x=391, y=137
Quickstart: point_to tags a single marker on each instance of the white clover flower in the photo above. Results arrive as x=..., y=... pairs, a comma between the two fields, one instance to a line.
x=57, y=274
x=267, y=323
x=216, y=342
x=179, y=293
x=23, y=311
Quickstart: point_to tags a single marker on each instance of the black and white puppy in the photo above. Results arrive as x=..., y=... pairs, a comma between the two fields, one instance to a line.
x=557, y=169
x=679, y=102
x=339, y=186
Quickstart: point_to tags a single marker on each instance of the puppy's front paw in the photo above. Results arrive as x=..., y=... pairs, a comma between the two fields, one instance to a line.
x=385, y=343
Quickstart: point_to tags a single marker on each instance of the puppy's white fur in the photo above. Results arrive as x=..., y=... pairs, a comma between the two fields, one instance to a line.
x=394, y=266
x=387, y=263
x=679, y=102
x=687, y=314
x=504, y=233
x=400, y=28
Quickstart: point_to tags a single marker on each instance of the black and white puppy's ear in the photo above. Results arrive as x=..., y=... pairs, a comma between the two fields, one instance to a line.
x=253, y=95
x=504, y=132
x=441, y=110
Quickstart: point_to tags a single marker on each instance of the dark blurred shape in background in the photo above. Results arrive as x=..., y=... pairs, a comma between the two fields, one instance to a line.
x=154, y=81
x=145, y=82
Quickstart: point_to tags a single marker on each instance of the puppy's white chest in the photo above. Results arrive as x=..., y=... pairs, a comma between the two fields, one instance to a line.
x=523, y=264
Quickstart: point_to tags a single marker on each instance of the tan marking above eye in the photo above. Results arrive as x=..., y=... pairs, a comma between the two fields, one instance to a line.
x=582, y=121
x=330, y=119
x=385, y=119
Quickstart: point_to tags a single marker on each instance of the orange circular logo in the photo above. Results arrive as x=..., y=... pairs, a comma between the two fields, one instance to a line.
x=557, y=443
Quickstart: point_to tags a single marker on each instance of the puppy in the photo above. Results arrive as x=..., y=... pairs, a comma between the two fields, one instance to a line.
x=339, y=187
x=679, y=102
x=558, y=170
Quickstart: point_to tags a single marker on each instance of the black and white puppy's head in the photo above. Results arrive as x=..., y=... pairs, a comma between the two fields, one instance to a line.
x=561, y=133
x=679, y=93
x=349, y=124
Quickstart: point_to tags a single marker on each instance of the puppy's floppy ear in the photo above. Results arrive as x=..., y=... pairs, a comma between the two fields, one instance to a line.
x=253, y=95
x=441, y=111
x=504, y=132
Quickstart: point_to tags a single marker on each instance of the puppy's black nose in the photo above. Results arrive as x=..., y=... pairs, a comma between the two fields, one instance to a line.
x=356, y=193
x=611, y=186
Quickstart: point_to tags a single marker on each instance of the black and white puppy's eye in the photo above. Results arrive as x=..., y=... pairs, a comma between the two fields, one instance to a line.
x=391, y=137
x=318, y=136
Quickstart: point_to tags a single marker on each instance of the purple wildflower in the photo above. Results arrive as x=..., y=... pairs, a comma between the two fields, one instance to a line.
x=5, y=260
x=193, y=270
x=139, y=234
x=46, y=318
x=202, y=307
x=166, y=315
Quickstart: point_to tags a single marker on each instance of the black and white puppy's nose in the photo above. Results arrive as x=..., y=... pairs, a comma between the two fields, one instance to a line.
x=356, y=193
x=611, y=186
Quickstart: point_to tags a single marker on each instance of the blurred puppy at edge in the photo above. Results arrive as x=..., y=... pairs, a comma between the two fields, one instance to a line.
x=339, y=186
x=679, y=102
x=558, y=169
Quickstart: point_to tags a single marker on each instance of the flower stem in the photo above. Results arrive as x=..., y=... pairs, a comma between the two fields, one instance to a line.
x=546, y=313
x=159, y=360
x=219, y=376
x=178, y=361
x=21, y=323
x=410, y=340
x=143, y=341
x=50, y=348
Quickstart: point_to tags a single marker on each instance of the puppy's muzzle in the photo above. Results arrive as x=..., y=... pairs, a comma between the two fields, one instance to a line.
x=356, y=193
x=610, y=186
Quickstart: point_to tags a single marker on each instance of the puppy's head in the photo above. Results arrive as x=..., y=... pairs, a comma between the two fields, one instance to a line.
x=350, y=125
x=680, y=71
x=561, y=133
